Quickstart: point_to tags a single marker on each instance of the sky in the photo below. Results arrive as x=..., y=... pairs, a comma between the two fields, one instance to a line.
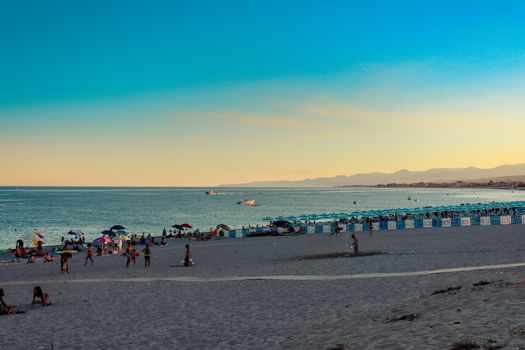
x=201, y=93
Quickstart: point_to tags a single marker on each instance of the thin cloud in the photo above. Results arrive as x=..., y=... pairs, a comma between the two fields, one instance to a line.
x=267, y=121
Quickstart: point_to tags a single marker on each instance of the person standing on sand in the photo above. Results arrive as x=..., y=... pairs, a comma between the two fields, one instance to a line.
x=370, y=227
x=187, y=257
x=89, y=255
x=64, y=262
x=147, y=256
x=18, y=253
x=129, y=255
x=356, y=245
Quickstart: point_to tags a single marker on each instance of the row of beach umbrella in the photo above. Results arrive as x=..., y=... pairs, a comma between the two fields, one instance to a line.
x=398, y=211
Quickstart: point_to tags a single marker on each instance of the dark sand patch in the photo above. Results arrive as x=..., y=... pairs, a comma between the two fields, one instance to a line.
x=333, y=256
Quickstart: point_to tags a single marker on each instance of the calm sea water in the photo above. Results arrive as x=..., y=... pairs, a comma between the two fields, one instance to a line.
x=54, y=211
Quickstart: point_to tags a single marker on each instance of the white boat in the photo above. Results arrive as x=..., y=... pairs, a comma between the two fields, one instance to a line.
x=210, y=192
x=248, y=202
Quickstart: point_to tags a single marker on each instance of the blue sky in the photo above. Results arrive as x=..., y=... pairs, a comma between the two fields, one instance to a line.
x=170, y=67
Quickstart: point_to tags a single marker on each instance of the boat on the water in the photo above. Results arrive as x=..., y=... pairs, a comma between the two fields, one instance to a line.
x=248, y=202
x=210, y=192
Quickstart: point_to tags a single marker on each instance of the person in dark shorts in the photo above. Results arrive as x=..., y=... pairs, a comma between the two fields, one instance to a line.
x=129, y=255
x=147, y=256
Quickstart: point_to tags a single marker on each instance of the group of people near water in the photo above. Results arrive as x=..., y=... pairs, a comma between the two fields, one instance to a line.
x=130, y=251
x=39, y=297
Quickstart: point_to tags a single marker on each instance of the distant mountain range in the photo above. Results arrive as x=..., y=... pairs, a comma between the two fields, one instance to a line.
x=401, y=176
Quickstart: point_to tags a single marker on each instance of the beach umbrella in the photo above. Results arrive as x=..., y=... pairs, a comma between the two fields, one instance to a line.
x=117, y=228
x=76, y=232
x=178, y=227
x=101, y=240
x=36, y=237
x=123, y=238
x=164, y=233
x=282, y=223
x=187, y=226
x=224, y=227
x=107, y=232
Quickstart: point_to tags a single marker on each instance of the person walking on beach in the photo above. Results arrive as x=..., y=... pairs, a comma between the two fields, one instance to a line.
x=188, y=257
x=147, y=256
x=89, y=255
x=356, y=245
x=370, y=227
x=337, y=231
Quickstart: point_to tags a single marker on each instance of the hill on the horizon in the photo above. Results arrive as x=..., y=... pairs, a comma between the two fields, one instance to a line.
x=401, y=176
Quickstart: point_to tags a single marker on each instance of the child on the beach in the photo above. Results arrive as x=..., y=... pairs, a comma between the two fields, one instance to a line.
x=64, y=262
x=48, y=257
x=4, y=308
x=188, y=257
x=134, y=256
x=89, y=255
x=39, y=294
x=147, y=256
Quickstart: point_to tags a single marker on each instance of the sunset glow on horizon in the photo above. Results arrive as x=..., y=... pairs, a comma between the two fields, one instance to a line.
x=202, y=94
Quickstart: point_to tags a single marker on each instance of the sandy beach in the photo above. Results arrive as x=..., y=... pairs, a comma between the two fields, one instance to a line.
x=298, y=292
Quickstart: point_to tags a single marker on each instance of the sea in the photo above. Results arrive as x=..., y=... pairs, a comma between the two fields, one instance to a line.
x=53, y=211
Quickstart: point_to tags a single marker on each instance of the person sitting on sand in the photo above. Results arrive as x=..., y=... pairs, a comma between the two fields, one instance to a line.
x=147, y=256
x=48, y=257
x=4, y=308
x=89, y=255
x=188, y=257
x=356, y=245
x=39, y=294
x=31, y=259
